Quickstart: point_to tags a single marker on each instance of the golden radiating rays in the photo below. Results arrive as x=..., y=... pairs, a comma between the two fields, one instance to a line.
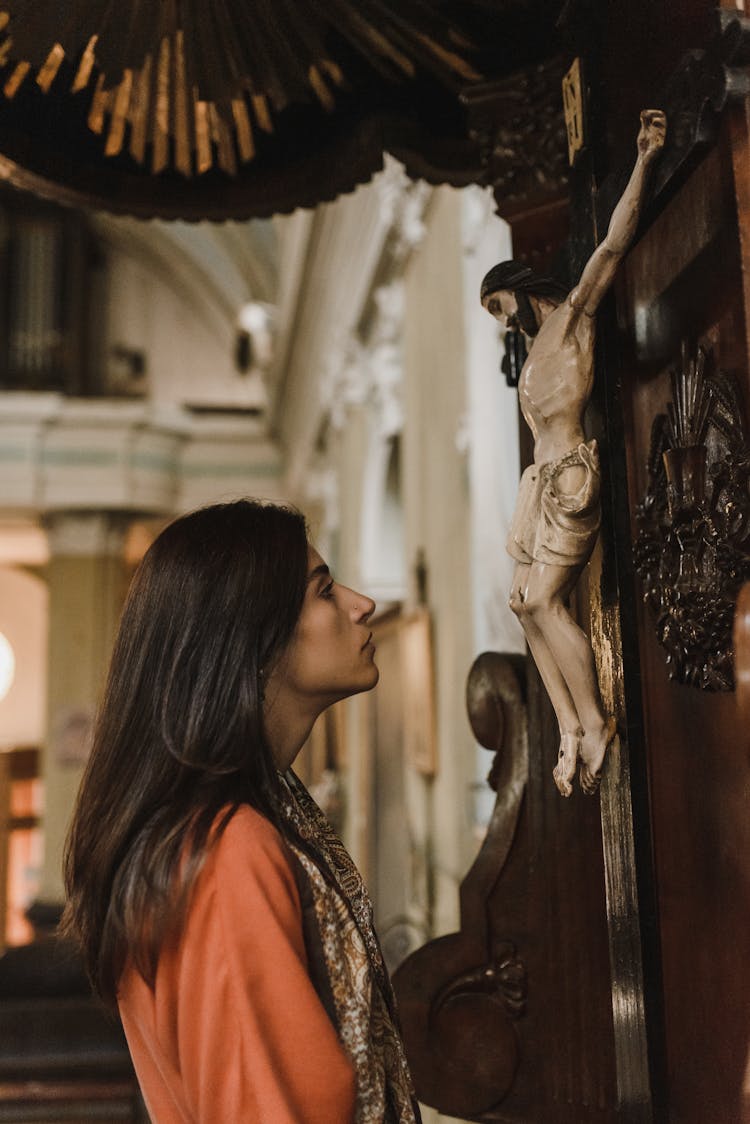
x=139, y=106
x=16, y=78
x=85, y=66
x=262, y=112
x=48, y=73
x=155, y=111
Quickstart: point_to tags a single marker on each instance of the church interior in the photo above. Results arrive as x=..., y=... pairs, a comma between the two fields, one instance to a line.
x=241, y=248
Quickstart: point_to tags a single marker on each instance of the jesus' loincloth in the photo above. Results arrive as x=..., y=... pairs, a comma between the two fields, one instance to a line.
x=553, y=526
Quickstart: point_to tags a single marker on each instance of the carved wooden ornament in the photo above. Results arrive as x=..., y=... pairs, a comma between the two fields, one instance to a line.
x=520, y=130
x=693, y=546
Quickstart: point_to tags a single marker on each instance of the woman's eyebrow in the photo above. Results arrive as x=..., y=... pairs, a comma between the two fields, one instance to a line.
x=318, y=572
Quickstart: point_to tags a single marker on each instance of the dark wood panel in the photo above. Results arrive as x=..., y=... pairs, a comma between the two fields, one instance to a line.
x=572, y=1017
x=685, y=279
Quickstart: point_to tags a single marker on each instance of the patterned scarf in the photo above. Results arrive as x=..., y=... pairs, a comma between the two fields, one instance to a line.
x=353, y=981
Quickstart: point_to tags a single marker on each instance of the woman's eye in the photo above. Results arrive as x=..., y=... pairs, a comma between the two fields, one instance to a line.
x=327, y=591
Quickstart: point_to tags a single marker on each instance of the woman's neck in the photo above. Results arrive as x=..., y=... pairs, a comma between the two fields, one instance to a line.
x=287, y=725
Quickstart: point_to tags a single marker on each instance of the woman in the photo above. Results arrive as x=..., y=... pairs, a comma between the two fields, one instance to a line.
x=212, y=900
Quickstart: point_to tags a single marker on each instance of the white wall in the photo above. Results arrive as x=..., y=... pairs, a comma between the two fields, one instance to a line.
x=189, y=347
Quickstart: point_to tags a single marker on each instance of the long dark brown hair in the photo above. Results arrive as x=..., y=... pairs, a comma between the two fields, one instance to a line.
x=179, y=735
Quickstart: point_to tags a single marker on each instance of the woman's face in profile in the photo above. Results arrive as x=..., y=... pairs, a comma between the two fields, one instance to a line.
x=331, y=654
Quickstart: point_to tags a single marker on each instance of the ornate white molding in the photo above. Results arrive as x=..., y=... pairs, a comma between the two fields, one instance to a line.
x=387, y=371
x=411, y=228
x=322, y=489
x=389, y=318
x=351, y=243
x=370, y=374
x=404, y=203
x=346, y=380
x=478, y=208
x=385, y=359
x=66, y=454
x=391, y=184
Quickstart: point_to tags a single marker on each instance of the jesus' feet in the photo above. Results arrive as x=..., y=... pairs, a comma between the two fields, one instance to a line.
x=594, y=745
x=565, y=769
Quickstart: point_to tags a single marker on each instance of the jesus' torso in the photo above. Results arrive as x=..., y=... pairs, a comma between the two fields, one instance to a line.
x=556, y=381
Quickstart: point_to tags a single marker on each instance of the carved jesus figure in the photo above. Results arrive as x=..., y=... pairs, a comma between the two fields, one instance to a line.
x=556, y=520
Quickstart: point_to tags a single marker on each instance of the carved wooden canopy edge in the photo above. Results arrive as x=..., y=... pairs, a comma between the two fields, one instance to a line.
x=128, y=113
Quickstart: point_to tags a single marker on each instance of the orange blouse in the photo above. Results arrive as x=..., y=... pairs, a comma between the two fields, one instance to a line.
x=233, y=1031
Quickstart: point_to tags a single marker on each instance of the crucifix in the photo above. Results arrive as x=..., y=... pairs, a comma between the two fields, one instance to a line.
x=557, y=515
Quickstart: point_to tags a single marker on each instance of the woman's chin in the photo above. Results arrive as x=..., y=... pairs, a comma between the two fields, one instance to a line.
x=368, y=680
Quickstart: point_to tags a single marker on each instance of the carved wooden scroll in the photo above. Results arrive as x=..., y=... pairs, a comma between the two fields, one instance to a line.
x=460, y=996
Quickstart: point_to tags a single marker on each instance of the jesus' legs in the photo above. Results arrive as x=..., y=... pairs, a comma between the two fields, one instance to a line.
x=555, y=685
x=565, y=711
x=546, y=589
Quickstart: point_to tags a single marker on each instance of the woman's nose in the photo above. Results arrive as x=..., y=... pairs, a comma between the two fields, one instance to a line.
x=364, y=607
